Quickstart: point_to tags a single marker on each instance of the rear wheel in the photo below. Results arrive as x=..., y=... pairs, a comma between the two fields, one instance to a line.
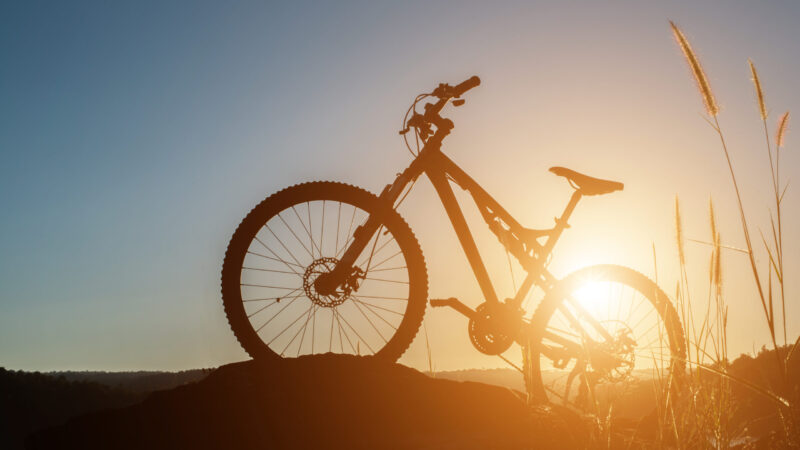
x=292, y=237
x=598, y=333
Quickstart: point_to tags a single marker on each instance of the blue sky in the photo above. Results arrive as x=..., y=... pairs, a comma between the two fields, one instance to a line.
x=134, y=138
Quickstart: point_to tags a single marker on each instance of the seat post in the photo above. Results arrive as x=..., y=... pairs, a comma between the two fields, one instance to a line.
x=561, y=222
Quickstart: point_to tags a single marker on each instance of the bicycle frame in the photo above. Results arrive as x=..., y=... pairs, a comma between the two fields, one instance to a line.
x=520, y=241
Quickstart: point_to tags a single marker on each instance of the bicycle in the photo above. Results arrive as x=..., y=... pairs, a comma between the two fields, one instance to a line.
x=294, y=284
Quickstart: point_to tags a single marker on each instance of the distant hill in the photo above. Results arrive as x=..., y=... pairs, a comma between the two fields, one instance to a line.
x=33, y=400
x=139, y=381
x=509, y=378
x=30, y=401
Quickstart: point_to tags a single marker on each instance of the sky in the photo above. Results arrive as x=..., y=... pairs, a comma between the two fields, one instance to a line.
x=134, y=137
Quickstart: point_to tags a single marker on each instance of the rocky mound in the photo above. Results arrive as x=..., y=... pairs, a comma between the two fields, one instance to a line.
x=327, y=401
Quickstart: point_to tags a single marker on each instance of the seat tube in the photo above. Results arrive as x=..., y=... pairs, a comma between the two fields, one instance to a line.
x=561, y=222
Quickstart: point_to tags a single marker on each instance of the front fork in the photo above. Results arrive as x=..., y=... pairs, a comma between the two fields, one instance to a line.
x=328, y=283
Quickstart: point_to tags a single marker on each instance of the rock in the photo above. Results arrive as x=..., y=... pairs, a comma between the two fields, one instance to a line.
x=321, y=401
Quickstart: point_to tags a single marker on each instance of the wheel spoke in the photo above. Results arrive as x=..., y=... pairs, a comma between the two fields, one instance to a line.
x=268, y=270
x=260, y=309
x=272, y=298
x=387, y=259
x=375, y=252
x=386, y=281
x=266, y=286
x=649, y=313
x=378, y=315
x=356, y=333
x=307, y=231
x=376, y=306
x=295, y=236
x=388, y=268
x=322, y=228
x=383, y=298
x=374, y=244
x=338, y=220
x=312, y=313
x=330, y=339
x=652, y=327
x=277, y=314
x=288, y=264
x=349, y=235
x=633, y=309
x=341, y=331
x=304, y=313
x=311, y=228
x=370, y=321
x=266, y=225
x=273, y=259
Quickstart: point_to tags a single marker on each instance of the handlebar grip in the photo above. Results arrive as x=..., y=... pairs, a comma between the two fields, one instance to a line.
x=466, y=85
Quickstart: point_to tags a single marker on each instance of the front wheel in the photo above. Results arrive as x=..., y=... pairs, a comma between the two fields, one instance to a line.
x=598, y=333
x=293, y=237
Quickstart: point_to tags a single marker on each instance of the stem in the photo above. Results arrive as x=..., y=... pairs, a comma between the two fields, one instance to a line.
x=775, y=172
x=780, y=237
x=768, y=313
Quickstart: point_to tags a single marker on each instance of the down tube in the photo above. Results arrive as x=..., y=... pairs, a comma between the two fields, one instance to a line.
x=438, y=178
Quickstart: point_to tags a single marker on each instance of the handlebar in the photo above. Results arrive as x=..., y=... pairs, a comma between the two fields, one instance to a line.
x=445, y=91
x=466, y=85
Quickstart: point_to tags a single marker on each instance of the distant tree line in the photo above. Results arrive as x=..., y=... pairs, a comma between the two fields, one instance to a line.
x=34, y=400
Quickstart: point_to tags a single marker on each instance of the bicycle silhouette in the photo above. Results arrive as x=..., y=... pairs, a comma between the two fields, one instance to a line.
x=328, y=267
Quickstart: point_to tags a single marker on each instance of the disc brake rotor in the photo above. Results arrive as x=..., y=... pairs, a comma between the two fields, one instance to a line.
x=341, y=294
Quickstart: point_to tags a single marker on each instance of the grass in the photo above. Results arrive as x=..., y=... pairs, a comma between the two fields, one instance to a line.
x=700, y=417
x=701, y=408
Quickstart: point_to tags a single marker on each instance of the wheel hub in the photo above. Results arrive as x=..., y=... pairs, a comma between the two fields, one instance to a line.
x=337, y=296
x=614, y=360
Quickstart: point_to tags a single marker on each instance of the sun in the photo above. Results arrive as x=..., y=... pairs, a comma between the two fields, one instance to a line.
x=593, y=296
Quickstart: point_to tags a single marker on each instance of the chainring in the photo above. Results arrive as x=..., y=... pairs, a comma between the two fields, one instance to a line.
x=485, y=331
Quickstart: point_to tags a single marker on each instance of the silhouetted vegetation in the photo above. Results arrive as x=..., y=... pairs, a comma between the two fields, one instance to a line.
x=33, y=400
x=29, y=401
x=139, y=381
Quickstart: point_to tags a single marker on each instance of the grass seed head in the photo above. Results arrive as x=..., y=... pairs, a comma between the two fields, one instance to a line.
x=762, y=108
x=782, y=122
x=679, y=232
x=697, y=71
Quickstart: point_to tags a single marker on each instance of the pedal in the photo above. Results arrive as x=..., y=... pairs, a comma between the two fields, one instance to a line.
x=439, y=302
x=453, y=303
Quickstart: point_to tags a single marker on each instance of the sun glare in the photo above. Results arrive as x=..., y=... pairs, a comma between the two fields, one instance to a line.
x=593, y=296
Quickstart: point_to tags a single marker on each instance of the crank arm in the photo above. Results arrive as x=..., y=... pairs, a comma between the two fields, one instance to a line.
x=455, y=304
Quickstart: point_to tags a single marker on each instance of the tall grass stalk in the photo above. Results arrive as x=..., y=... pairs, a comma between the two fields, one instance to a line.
x=713, y=112
x=776, y=253
x=711, y=404
x=431, y=369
